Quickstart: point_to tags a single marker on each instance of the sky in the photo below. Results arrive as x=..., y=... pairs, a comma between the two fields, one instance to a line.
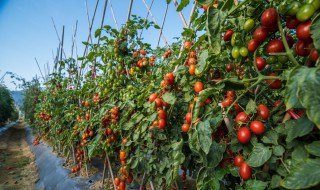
x=27, y=31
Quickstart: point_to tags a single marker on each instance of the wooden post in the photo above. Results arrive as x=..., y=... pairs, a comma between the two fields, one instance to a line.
x=164, y=19
x=129, y=10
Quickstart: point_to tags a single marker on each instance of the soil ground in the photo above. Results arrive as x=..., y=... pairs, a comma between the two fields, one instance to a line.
x=17, y=163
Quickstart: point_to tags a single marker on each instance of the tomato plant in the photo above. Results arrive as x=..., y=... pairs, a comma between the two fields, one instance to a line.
x=197, y=108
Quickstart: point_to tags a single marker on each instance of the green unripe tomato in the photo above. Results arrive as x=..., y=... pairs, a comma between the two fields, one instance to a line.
x=244, y=51
x=282, y=58
x=235, y=53
x=315, y=3
x=248, y=25
x=305, y=12
x=293, y=8
x=271, y=60
x=197, y=72
x=235, y=39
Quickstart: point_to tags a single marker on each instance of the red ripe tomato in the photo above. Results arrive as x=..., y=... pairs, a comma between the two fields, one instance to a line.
x=185, y=127
x=242, y=117
x=269, y=17
x=238, y=160
x=231, y=94
x=245, y=171
x=292, y=22
x=192, y=60
x=130, y=179
x=272, y=28
x=277, y=103
x=227, y=102
x=162, y=114
x=274, y=84
x=162, y=123
x=243, y=135
x=303, y=30
x=289, y=40
x=192, y=69
x=227, y=35
x=260, y=34
x=152, y=97
x=274, y=46
x=158, y=102
x=314, y=56
x=117, y=181
x=229, y=67
x=205, y=7
x=237, y=108
x=187, y=44
x=122, y=185
x=188, y=117
x=170, y=78
x=260, y=63
x=301, y=48
x=257, y=127
x=208, y=100
x=142, y=52
x=263, y=112
x=252, y=45
x=198, y=87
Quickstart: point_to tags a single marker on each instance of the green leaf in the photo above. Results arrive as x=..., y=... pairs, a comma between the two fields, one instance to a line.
x=215, y=22
x=256, y=185
x=203, y=64
x=298, y=128
x=215, y=154
x=169, y=98
x=304, y=175
x=291, y=89
x=204, y=136
x=278, y=150
x=275, y=181
x=251, y=107
x=97, y=32
x=315, y=33
x=270, y=137
x=313, y=148
x=183, y=4
x=299, y=153
x=205, y=2
x=259, y=155
x=308, y=94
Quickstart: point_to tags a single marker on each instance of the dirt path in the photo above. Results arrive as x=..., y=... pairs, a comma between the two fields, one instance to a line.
x=17, y=163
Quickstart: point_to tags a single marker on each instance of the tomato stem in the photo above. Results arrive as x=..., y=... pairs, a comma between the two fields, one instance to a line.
x=285, y=43
x=238, y=7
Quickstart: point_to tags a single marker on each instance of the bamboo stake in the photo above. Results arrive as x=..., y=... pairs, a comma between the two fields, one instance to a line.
x=155, y=22
x=113, y=15
x=39, y=68
x=164, y=19
x=151, y=185
x=90, y=28
x=88, y=19
x=73, y=38
x=180, y=14
x=104, y=170
x=142, y=181
x=129, y=11
x=101, y=25
x=110, y=170
x=146, y=17
x=60, y=44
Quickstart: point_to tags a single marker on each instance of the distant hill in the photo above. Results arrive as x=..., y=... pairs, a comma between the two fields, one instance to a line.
x=18, y=97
